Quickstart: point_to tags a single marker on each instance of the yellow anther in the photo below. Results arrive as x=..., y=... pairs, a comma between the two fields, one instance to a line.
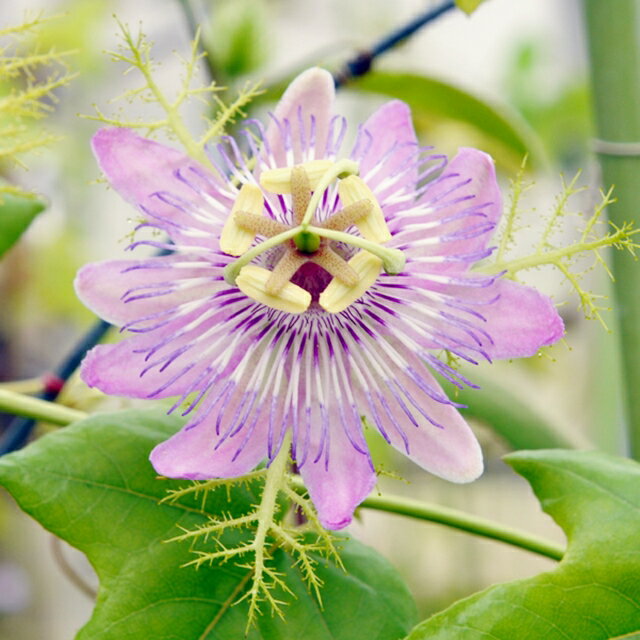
x=236, y=240
x=252, y=281
x=279, y=180
x=373, y=226
x=338, y=296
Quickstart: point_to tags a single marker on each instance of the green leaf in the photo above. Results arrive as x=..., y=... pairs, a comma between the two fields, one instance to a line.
x=468, y=6
x=16, y=214
x=501, y=132
x=594, y=594
x=92, y=485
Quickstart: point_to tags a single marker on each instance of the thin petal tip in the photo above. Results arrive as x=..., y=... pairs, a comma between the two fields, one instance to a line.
x=88, y=369
x=104, y=138
x=314, y=75
x=336, y=525
x=167, y=464
x=468, y=467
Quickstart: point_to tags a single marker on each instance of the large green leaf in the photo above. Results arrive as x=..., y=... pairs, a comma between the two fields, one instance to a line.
x=92, y=485
x=501, y=132
x=16, y=214
x=594, y=594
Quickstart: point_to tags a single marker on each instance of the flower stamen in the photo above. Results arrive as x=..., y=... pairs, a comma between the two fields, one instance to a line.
x=252, y=281
x=351, y=214
x=235, y=239
x=300, y=192
x=280, y=180
x=338, y=296
x=340, y=169
x=232, y=270
x=373, y=226
x=259, y=225
x=290, y=262
x=336, y=266
x=307, y=184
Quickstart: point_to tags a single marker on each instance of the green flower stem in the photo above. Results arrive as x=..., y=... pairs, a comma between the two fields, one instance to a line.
x=337, y=170
x=21, y=405
x=232, y=270
x=458, y=520
x=393, y=259
x=465, y=522
x=614, y=50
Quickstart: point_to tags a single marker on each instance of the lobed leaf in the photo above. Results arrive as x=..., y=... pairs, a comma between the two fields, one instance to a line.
x=594, y=594
x=92, y=485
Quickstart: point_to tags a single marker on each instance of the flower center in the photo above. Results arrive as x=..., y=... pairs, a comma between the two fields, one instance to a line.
x=308, y=242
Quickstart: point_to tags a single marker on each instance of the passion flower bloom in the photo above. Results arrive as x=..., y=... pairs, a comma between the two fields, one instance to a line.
x=305, y=292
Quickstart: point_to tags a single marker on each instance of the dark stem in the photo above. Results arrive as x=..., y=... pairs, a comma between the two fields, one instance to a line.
x=19, y=429
x=361, y=64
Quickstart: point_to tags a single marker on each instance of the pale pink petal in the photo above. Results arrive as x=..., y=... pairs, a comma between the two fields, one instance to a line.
x=192, y=454
x=450, y=451
x=467, y=203
x=226, y=443
x=339, y=486
x=164, y=183
x=116, y=369
x=121, y=291
x=391, y=147
x=474, y=172
x=412, y=412
x=174, y=356
x=308, y=98
x=520, y=321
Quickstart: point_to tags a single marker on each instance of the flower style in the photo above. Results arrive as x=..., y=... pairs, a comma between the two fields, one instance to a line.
x=306, y=292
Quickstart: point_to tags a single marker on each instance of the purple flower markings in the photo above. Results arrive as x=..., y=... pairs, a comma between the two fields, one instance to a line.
x=306, y=292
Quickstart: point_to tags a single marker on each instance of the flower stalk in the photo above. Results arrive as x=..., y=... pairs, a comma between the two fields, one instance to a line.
x=37, y=409
x=464, y=522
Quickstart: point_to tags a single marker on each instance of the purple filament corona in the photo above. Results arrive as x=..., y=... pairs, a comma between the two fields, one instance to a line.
x=245, y=373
